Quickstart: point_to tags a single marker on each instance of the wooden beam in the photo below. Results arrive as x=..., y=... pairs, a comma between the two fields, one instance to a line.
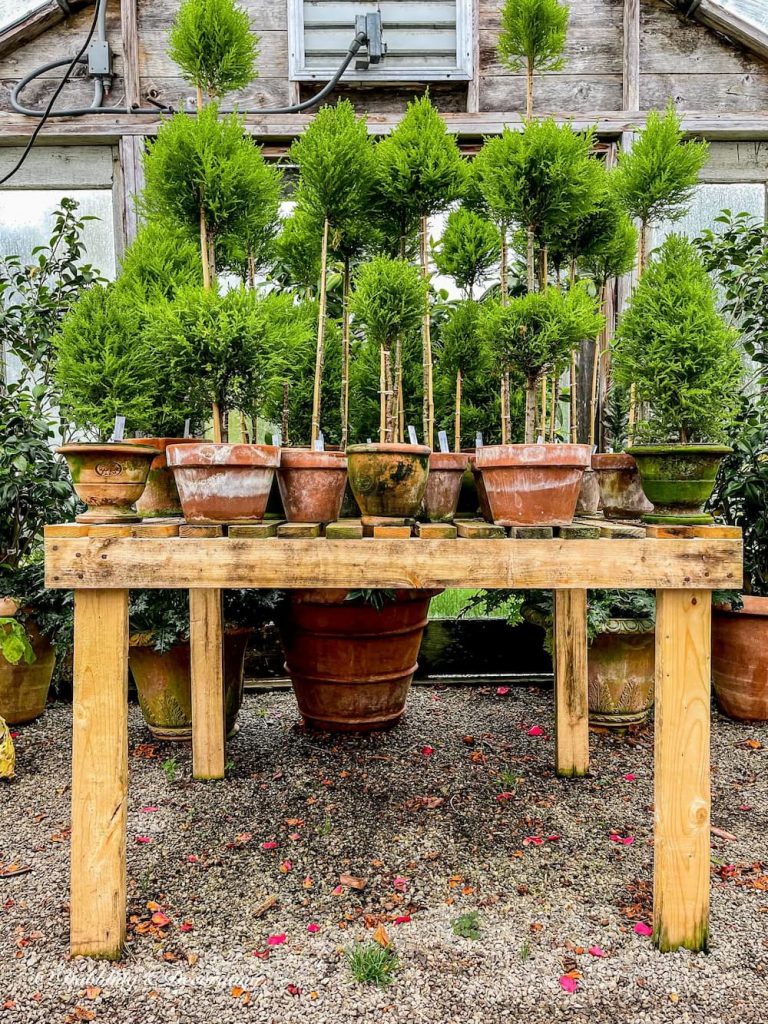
x=473, y=86
x=34, y=24
x=99, y=774
x=730, y=23
x=207, y=668
x=132, y=166
x=571, y=684
x=682, y=791
x=631, y=56
x=129, y=33
x=546, y=564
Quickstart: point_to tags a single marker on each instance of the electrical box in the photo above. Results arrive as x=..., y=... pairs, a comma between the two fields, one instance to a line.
x=99, y=58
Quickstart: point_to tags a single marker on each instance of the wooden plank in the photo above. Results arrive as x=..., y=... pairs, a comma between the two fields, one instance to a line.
x=55, y=530
x=548, y=564
x=344, y=529
x=631, y=56
x=571, y=684
x=160, y=528
x=253, y=531
x=99, y=774
x=531, y=532
x=59, y=167
x=681, y=770
x=207, y=668
x=477, y=529
x=657, y=531
x=129, y=34
x=716, y=530
x=614, y=530
x=578, y=532
x=387, y=532
x=435, y=531
x=131, y=150
x=209, y=530
x=299, y=530
x=730, y=23
x=30, y=27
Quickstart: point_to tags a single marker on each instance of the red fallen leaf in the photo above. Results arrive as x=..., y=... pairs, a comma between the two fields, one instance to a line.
x=641, y=928
x=313, y=928
x=293, y=990
x=143, y=839
x=745, y=807
x=596, y=951
x=285, y=867
x=502, y=690
x=15, y=735
x=308, y=882
x=403, y=919
x=501, y=797
x=629, y=777
x=269, y=846
x=427, y=751
x=276, y=940
x=400, y=884
x=338, y=891
x=187, y=926
x=533, y=841
x=294, y=835
x=536, y=730
x=567, y=983
x=553, y=838
x=193, y=858
x=261, y=954
x=149, y=810
x=624, y=840
x=160, y=919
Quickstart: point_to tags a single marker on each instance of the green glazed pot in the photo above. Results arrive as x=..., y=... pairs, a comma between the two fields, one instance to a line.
x=388, y=480
x=678, y=479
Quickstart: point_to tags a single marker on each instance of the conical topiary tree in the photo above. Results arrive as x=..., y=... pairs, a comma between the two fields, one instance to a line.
x=532, y=37
x=420, y=172
x=296, y=264
x=468, y=249
x=161, y=259
x=213, y=45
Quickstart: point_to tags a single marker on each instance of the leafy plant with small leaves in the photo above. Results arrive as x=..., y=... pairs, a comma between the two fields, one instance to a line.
x=674, y=345
x=372, y=964
x=297, y=254
x=161, y=260
x=532, y=37
x=467, y=926
x=468, y=249
x=212, y=42
x=14, y=644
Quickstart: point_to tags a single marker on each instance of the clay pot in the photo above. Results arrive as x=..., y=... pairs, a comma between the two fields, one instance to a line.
x=621, y=493
x=24, y=688
x=223, y=483
x=446, y=472
x=621, y=669
x=482, y=495
x=678, y=479
x=109, y=479
x=312, y=484
x=532, y=484
x=740, y=659
x=164, y=683
x=351, y=664
x=588, y=501
x=388, y=480
x=161, y=496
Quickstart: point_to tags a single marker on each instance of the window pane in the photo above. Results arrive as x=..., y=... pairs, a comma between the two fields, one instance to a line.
x=708, y=202
x=755, y=11
x=12, y=11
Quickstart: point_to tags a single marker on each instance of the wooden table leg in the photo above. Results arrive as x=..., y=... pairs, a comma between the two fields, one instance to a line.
x=99, y=774
x=207, y=665
x=571, y=683
x=682, y=795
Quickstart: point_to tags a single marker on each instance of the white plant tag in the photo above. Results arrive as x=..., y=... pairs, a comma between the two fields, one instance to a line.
x=412, y=434
x=442, y=438
x=479, y=439
x=186, y=427
x=368, y=441
x=320, y=442
x=277, y=438
x=540, y=439
x=119, y=432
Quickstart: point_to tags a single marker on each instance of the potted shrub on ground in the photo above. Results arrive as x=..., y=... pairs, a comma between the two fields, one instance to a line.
x=681, y=357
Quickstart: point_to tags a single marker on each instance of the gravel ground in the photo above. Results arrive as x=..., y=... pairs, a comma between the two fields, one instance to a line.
x=433, y=835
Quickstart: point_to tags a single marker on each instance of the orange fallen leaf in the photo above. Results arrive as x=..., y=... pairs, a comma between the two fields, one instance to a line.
x=380, y=936
x=353, y=881
x=236, y=992
x=92, y=992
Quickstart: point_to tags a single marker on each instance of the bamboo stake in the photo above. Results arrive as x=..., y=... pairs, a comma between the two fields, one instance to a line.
x=284, y=420
x=457, y=421
x=345, y=355
x=244, y=430
x=632, y=414
x=504, y=267
x=320, y=353
x=574, y=409
x=529, y=90
x=543, y=420
x=397, y=381
x=504, y=291
x=553, y=413
x=428, y=402
x=217, y=422
x=530, y=410
x=382, y=396
x=504, y=403
x=598, y=355
x=400, y=402
x=543, y=269
x=530, y=263
x=390, y=405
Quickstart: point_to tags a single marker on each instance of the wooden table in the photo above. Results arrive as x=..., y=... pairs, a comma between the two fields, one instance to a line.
x=101, y=563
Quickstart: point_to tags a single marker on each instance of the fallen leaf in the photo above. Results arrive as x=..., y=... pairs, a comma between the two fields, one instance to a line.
x=641, y=928
x=293, y=990
x=380, y=936
x=92, y=992
x=192, y=858
x=753, y=744
x=596, y=951
x=285, y=867
x=536, y=730
x=308, y=882
x=192, y=958
x=143, y=839
x=629, y=777
x=403, y=919
x=427, y=751
x=338, y=891
x=353, y=881
x=149, y=810
x=264, y=906
x=553, y=838
x=567, y=983
x=186, y=926
x=533, y=841
x=400, y=884
x=271, y=845
x=722, y=834
x=502, y=690
x=160, y=919
x=623, y=840
x=501, y=797
x=236, y=991
x=313, y=928
x=276, y=940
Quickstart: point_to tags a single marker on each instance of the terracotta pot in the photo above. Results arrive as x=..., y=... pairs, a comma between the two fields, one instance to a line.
x=223, y=483
x=678, y=479
x=351, y=664
x=482, y=495
x=621, y=493
x=446, y=472
x=109, y=479
x=621, y=666
x=24, y=688
x=312, y=484
x=164, y=683
x=533, y=484
x=740, y=659
x=388, y=480
x=588, y=501
x=161, y=496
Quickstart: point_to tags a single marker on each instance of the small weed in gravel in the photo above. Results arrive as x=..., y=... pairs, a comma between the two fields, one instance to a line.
x=372, y=964
x=467, y=926
x=170, y=767
x=525, y=950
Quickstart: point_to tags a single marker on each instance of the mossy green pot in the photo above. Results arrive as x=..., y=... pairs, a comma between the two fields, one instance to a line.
x=678, y=479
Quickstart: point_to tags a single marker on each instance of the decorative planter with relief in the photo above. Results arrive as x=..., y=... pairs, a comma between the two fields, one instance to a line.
x=312, y=484
x=621, y=669
x=621, y=494
x=109, y=479
x=446, y=473
x=740, y=659
x=388, y=480
x=223, y=483
x=678, y=479
x=24, y=687
x=161, y=496
x=532, y=484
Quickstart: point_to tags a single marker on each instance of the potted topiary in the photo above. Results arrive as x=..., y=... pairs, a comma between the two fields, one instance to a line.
x=678, y=352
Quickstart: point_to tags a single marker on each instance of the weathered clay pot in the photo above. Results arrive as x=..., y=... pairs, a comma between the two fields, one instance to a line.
x=24, y=688
x=109, y=478
x=164, y=683
x=223, y=483
x=441, y=497
x=388, y=480
x=482, y=495
x=621, y=494
x=621, y=664
x=678, y=479
x=740, y=659
x=350, y=663
x=161, y=496
x=588, y=501
x=312, y=484
x=532, y=484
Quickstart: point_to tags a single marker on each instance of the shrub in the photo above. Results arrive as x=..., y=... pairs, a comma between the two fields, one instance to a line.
x=212, y=42
x=532, y=37
x=161, y=260
x=469, y=248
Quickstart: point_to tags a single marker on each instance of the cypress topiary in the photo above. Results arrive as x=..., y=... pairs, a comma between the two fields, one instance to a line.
x=468, y=249
x=160, y=260
x=212, y=42
x=532, y=37
x=677, y=350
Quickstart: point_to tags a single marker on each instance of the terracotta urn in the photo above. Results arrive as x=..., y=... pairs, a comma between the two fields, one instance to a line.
x=621, y=494
x=588, y=503
x=621, y=670
x=388, y=480
x=161, y=496
x=482, y=496
x=678, y=479
x=24, y=688
x=740, y=659
x=312, y=484
x=223, y=483
x=109, y=479
x=446, y=473
x=532, y=484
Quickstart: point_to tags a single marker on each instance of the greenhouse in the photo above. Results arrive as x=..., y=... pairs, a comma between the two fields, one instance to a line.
x=384, y=511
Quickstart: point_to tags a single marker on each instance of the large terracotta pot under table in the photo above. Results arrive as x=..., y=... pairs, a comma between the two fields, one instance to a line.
x=161, y=496
x=109, y=478
x=388, y=480
x=740, y=659
x=532, y=484
x=350, y=663
x=312, y=484
x=446, y=473
x=621, y=494
x=223, y=483
x=621, y=670
x=24, y=688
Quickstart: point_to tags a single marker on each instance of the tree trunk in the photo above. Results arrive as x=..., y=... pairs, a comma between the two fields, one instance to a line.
x=529, y=90
x=382, y=397
x=530, y=262
x=428, y=402
x=599, y=340
x=543, y=269
x=218, y=423
x=397, y=384
x=504, y=267
x=530, y=410
x=320, y=352
x=457, y=420
x=345, y=356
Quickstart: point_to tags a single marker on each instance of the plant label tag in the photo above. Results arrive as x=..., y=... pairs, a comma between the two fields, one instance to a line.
x=119, y=431
x=594, y=448
x=412, y=434
x=277, y=439
x=320, y=442
x=442, y=438
x=479, y=439
x=540, y=439
x=368, y=441
x=186, y=427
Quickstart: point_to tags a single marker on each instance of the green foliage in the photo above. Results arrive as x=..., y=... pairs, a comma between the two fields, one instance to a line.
x=212, y=42
x=532, y=35
x=364, y=385
x=51, y=610
x=608, y=243
x=388, y=299
x=161, y=260
x=467, y=926
x=675, y=347
x=170, y=769
x=104, y=369
x=602, y=606
x=469, y=248
x=209, y=165
x=297, y=253
x=655, y=179
x=14, y=645
x=372, y=964
x=420, y=170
